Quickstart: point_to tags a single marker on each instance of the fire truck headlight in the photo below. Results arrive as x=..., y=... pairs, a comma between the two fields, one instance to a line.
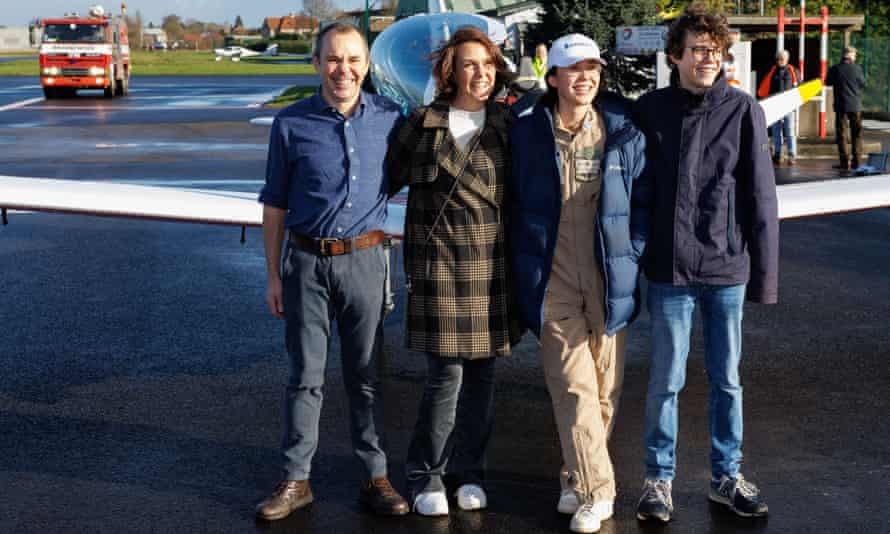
x=51, y=71
x=96, y=71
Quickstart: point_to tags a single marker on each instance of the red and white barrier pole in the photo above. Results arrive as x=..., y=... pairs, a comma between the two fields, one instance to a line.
x=780, y=30
x=823, y=68
x=802, y=43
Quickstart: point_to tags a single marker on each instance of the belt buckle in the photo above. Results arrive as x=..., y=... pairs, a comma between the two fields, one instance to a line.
x=324, y=243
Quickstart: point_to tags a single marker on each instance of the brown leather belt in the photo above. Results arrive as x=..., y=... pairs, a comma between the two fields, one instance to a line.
x=330, y=246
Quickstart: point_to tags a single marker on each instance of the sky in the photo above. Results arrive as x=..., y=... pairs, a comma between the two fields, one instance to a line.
x=20, y=12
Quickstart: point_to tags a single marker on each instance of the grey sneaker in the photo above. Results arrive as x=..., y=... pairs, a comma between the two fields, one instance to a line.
x=739, y=495
x=656, y=502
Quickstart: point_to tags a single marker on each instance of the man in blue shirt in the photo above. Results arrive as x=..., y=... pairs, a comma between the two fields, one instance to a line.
x=326, y=193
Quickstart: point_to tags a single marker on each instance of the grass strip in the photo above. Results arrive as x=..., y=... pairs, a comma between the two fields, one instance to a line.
x=179, y=63
x=291, y=95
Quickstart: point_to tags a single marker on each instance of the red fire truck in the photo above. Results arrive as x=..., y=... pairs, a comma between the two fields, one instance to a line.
x=90, y=52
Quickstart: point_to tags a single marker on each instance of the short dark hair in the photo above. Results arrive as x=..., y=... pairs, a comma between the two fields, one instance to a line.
x=695, y=20
x=446, y=55
x=337, y=27
x=551, y=97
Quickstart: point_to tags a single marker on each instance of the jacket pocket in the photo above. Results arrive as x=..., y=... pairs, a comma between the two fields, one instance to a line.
x=731, y=240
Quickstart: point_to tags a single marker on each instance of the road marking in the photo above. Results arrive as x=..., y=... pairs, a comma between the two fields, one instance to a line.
x=134, y=108
x=23, y=103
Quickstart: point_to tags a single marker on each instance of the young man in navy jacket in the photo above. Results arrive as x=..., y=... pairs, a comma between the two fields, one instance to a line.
x=710, y=190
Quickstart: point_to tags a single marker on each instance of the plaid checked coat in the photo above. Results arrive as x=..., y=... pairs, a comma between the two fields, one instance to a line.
x=456, y=268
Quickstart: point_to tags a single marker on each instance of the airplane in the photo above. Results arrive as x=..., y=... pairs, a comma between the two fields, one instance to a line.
x=400, y=69
x=236, y=53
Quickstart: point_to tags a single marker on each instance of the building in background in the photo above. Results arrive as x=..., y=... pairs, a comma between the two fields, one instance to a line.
x=298, y=26
x=17, y=39
x=154, y=38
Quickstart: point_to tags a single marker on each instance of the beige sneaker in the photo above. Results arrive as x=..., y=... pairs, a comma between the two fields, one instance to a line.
x=585, y=519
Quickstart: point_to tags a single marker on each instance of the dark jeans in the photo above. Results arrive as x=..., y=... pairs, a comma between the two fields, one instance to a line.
x=317, y=290
x=840, y=126
x=453, y=425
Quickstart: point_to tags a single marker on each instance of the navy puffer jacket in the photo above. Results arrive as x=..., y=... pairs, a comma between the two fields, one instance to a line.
x=536, y=200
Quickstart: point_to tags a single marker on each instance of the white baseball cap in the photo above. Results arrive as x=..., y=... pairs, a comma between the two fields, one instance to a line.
x=572, y=48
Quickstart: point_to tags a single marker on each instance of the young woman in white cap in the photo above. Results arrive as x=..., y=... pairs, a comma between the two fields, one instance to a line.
x=574, y=249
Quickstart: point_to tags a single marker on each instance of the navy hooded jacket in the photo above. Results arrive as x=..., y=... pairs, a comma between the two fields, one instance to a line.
x=536, y=200
x=712, y=198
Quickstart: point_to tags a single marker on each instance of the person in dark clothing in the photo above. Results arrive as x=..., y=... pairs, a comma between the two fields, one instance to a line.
x=710, y=190
x=780, y=78
x=848, y=81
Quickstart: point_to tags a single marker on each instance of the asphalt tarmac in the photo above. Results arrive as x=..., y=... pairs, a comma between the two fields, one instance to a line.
x=143, y=377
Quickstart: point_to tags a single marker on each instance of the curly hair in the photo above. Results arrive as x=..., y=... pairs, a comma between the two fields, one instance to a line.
x=695, y=20
x=444, y=58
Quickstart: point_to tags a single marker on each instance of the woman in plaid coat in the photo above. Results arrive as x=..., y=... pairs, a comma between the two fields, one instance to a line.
x=453, y=154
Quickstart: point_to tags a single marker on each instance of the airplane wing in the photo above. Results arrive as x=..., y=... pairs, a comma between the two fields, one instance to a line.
x=108, y=199
x=833, y=196
x=233, y=208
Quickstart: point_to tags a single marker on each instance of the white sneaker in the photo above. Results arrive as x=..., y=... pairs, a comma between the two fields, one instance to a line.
x=431, y=503
x=585, y=519
x=604, y=509
x=471, y=497
x=568, y=502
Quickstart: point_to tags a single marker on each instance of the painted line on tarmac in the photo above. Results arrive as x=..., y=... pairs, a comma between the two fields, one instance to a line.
x=140, y=108
x=21, y=104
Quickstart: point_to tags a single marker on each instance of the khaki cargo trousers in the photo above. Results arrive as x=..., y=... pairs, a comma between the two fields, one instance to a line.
x=584, y=373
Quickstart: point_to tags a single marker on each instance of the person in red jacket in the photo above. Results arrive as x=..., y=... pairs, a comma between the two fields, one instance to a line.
x=780, y=78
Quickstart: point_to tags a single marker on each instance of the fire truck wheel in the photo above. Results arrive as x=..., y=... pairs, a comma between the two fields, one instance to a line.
x=111, y=89
x=49, y=92
x=124, y=86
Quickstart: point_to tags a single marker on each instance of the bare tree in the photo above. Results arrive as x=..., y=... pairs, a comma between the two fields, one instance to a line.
x=172, y=26
x=134, y=28
x=320, y=9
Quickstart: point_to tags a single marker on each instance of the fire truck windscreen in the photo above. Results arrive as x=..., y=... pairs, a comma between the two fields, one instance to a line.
x=74, y=33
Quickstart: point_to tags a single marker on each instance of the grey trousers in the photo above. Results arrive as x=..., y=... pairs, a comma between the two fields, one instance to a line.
x=317, y=290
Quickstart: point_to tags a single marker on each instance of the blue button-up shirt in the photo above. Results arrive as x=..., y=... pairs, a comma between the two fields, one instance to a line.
x=327, y=170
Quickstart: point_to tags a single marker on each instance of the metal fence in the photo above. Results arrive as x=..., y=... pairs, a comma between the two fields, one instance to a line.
x=874, y=57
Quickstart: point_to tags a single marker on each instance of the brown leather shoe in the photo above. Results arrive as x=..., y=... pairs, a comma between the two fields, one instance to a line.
x=289, y=496
x=379, y=495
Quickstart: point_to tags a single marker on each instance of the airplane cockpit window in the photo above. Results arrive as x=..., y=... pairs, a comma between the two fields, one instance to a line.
x=400, y=57
x=74, y=33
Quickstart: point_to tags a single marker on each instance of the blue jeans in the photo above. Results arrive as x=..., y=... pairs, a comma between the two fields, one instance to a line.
x=670, y=308
x=454, y=425
x=317, y=290
x=784, y=128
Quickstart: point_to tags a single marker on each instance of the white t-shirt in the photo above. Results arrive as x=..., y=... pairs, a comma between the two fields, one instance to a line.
x=464, y=124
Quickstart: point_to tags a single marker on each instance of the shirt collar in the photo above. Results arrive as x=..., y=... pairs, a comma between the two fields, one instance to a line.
x=320, y=105
x=558, y=126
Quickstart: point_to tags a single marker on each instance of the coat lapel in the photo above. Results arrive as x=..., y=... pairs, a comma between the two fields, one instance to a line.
x=455, y=161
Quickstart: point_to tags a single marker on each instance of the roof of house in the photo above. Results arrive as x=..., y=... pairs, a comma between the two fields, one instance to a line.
x=291, y=23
